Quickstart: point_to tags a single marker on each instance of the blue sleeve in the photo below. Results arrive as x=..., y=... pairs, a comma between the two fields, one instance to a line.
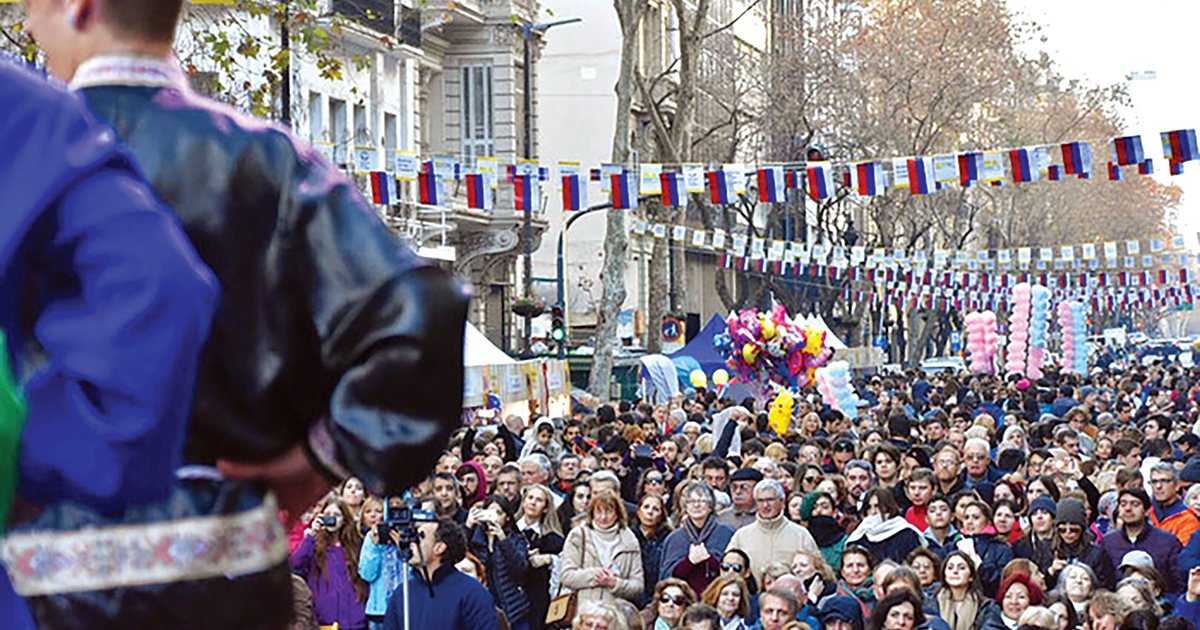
x=670, y=556
x=1176, y=571
x=1188, y=610
x=479, y=611
x=369, y=560
x=1190, y=556
x=125, y=316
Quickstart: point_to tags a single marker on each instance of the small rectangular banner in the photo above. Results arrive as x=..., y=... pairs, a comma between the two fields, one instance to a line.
x=1127, y=150
x=993, y=167
x=407, y=166
x=650, y=184
x=1180, y=146
x=693, y=177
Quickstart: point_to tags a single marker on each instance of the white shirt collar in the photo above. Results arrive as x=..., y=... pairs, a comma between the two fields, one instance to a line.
x=128, y=70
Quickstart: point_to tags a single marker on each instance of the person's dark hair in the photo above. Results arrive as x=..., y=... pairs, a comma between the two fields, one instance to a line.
x=750, y=582
x=1010, y=459
x=975, y=586
x=713, y=462
x=452, y=535
x=1176, y=622
x=899, y=426
x=154, y=21
x=606, y=414
x=1124, y=446
x=702, y=614
x=1136, y=493
x=892, y=600
x=885, y=499
x=1158, y=448
x=1140, y=620
x=508, y=507
x=1049, y=484
x=1059, y=597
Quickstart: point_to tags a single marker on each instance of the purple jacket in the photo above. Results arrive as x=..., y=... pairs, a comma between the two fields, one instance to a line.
x=334, y=599
x=1163, y=546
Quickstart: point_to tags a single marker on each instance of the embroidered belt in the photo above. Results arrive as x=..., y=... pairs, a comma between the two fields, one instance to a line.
x=49, y=562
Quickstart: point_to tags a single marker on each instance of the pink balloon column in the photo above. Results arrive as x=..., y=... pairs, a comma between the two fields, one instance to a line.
x=981, y=341
x=1018, y=330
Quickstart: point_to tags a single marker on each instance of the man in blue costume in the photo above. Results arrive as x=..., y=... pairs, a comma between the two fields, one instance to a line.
x=101, y=290
x=336, y=351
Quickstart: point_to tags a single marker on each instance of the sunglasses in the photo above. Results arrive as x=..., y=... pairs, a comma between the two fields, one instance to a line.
x=678, y=600
x=654, y=480
x=812, y=479
x=731, y=566
x=844, y=447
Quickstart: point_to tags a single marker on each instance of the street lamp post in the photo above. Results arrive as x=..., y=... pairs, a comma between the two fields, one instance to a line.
x=527, y=31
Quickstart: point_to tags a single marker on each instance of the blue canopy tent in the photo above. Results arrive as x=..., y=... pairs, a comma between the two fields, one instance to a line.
x=700, y=350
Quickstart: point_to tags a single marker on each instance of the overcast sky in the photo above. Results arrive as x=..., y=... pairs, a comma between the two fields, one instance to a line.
x=1105, y=40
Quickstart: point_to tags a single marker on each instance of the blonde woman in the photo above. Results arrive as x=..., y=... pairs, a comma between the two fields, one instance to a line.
x=602, y=560
x=539, y=525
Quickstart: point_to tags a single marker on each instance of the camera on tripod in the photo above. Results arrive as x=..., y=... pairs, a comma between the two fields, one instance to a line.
x=402, y=516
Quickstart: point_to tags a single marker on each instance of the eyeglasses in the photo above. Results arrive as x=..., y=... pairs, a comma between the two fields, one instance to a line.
x=678, y=600
x=976, y=457
x=1161, y=482
x=654, y=480
x=731, y=566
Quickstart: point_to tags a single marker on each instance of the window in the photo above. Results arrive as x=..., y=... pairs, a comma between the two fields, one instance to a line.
x=316, y=121
x=362, y=136
x=477, y=128
x=338, y=130
x=389, y=141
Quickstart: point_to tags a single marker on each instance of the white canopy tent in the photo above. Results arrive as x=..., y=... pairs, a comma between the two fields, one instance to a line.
x=479, y=350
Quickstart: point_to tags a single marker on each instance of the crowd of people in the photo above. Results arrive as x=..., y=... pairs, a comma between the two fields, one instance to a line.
x=950, y=502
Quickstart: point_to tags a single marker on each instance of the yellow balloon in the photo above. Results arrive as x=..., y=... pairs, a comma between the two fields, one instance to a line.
x=780, y=416
x=768, y=329
x=750, y=353
x=814, y=341
x=720, y=377
x=698, y=378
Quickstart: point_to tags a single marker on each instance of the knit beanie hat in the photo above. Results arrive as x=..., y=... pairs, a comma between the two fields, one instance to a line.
x=1071, y=511
x=1043, y=502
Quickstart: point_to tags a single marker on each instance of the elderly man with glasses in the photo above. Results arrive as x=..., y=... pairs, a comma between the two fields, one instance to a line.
x=771, y=537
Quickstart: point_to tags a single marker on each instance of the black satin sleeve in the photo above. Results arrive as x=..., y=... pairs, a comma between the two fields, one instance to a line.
x=389, y=326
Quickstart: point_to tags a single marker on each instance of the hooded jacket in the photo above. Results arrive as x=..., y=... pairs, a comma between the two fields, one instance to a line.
x=892, y=539
x=481, y=490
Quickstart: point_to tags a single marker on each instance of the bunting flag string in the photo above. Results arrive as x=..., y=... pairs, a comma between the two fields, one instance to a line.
x=921, y=175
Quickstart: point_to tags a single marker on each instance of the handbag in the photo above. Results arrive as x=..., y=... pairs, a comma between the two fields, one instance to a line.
x=561, y=612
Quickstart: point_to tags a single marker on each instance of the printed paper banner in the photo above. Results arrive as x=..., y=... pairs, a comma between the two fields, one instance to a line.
x=993, y=167
x=650, y=184
x=945, y=169
x=489, y=167
x=407, y=166
x=364, y=160
x=693, y=177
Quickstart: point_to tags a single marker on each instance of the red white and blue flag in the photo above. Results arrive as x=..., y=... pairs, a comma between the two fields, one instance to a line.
x=1180, y=145
x=574, y=192
x=920, y=176
x=1056, y=172
x=969, y=165
x=1077, y=159
x=673, y=193
x=771, y=185
x=383, y=188
x=429, y=187
x=1146, y=166
x=870, y=178
x=1176, y=167
x=819, y=180
x=720, y=187
x=1114, y=172
x=479, y=192
x=1022, y=166
x=1127, y=150
x=793, y=179
x=526, y=194
x=624, y=193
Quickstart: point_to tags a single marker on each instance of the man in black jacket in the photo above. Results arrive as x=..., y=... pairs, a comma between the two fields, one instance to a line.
x=336, y=350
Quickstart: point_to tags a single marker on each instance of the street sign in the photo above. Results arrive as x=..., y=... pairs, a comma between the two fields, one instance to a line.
x=672, y=329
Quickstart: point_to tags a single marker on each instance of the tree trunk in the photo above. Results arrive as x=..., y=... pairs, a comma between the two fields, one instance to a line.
x=616, y=241
x=657, y=296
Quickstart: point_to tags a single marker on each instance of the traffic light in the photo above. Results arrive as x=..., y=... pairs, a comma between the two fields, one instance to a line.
x=558, y=325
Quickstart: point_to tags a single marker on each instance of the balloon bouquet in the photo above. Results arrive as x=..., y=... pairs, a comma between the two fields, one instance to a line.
x=1039, y=323
x=1074, y=331
x=982, y=341
x=1018, y=330
x=833, y=381
x=771, y=350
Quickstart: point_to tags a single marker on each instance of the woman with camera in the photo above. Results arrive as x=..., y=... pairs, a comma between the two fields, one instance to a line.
x=379, y=564
x=503, y=550
x=327, y=559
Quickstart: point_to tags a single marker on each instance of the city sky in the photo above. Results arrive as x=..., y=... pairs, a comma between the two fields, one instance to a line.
x=1103, y=41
